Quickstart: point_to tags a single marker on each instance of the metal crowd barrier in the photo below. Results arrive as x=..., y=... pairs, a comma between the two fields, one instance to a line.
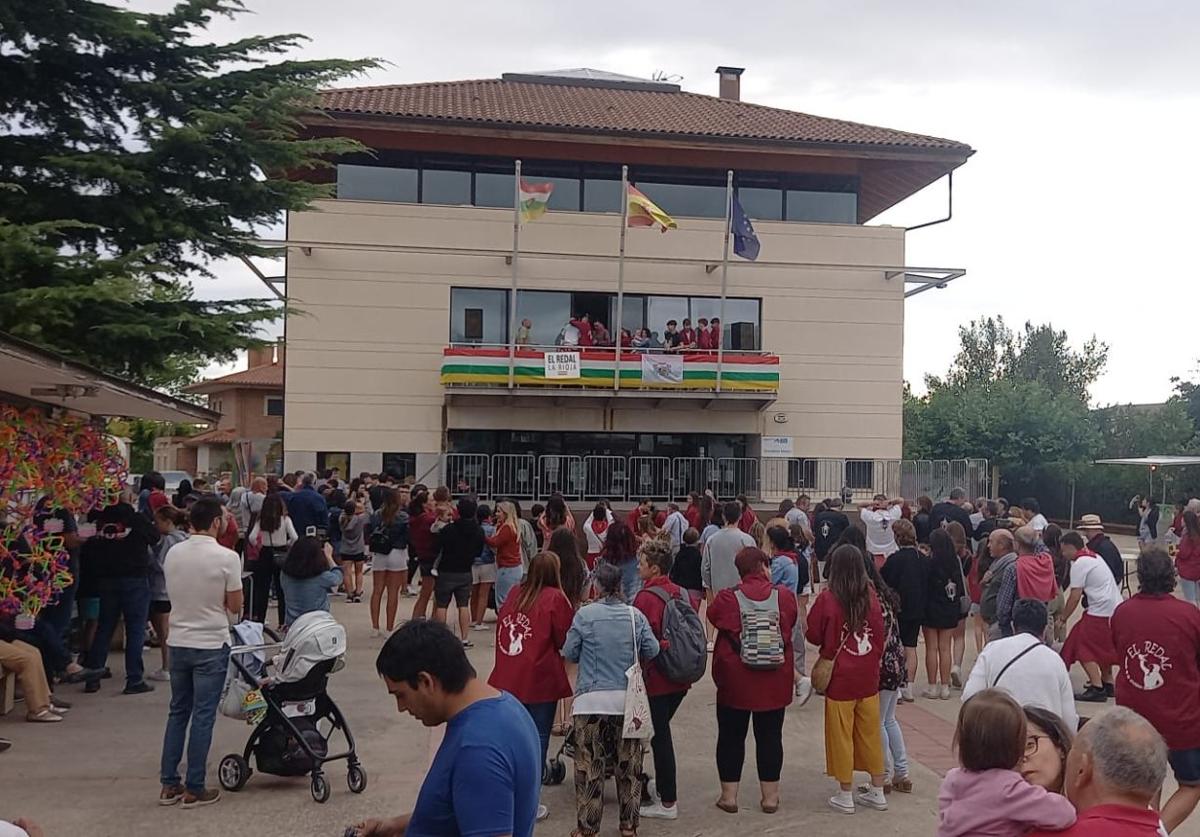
x=661, y=478
x=563, y=475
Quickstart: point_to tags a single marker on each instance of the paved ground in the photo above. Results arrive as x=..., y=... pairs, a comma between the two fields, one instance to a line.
x=97, y=773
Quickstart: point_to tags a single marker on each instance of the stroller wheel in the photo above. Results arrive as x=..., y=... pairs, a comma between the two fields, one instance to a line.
x=556, y=771
x=356, y=778
x=320, y=787
x=233, y=772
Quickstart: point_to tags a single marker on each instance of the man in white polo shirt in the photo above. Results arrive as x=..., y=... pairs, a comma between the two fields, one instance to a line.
x=204, y=583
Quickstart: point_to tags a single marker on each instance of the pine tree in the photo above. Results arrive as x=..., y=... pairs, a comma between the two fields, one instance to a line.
x=134, y=153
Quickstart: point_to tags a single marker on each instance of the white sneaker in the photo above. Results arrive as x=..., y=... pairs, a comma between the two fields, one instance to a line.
x=162, y=676
x=804, y=690
x=842, y=802
x=481, y=627
x=956, y=677
x=873, y=798
x=658, y=811
x=931, y=692
x=906, y=694
x=945, y=692
x=376, y=633
x=542, y=812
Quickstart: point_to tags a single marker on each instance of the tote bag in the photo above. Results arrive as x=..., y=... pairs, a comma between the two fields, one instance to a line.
x=637, y=723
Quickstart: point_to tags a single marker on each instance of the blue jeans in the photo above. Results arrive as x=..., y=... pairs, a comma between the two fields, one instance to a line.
x=631, y=582
x=506, y=579
x=1191, y=590
x=128, y=597
x=543, y=719
x=197, y=678
x=895, y=756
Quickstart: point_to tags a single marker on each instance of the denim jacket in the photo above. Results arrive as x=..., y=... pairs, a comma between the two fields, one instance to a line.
x=601, y=641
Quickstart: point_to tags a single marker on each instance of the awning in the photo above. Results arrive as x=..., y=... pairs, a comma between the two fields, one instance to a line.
x=31, y=374
x=1152, y=461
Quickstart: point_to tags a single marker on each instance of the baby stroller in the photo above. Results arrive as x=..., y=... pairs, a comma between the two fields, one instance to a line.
x=554, y=772
x=288, y=741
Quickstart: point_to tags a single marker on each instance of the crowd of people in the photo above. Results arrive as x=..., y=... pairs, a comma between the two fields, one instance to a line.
x=602, y=628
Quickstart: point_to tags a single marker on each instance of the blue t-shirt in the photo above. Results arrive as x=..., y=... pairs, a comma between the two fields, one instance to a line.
x=784, y=571
x=486, y=776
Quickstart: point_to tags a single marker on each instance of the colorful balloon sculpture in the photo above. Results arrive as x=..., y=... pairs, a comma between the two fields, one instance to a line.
x=78, y=467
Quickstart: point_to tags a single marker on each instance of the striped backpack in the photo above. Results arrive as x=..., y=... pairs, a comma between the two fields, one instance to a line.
x=760, y=644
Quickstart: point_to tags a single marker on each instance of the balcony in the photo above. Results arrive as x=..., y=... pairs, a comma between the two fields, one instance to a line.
x=749, y=380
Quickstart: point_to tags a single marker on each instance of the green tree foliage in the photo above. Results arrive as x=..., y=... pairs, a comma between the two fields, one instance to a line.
x=137, y=151
x=1010, y=398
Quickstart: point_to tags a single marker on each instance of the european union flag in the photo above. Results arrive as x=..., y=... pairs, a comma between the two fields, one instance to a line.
x=745, y=242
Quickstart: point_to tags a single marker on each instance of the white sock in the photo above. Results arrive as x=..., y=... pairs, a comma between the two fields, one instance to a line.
x=844, y=798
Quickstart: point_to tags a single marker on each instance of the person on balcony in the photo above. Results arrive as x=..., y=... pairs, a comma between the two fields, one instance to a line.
x=687, y=336
x=584, y=324
x=641, y=340
x=714, y=334
x=626, y=338
x=672, y=340
x=703, y=335
x=601, y=335
x=523, y=333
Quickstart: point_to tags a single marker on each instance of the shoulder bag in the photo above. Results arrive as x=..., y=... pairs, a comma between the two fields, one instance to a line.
x=822, y=671
x=637, y=723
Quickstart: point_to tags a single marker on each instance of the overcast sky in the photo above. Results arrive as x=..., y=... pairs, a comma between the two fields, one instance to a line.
x=1077, y=208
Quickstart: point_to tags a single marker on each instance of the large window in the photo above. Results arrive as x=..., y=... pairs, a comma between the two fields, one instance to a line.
x=598, y=444
x=478, y=315
x=464, y=180
x=400, y=465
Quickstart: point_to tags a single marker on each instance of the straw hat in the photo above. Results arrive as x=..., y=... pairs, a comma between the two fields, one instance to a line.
x=1090, y=521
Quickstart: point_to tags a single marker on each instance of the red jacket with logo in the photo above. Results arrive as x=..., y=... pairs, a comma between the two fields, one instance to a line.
x=1157, y=639
x=529, y=665
x=653, y=607
x=856, y=667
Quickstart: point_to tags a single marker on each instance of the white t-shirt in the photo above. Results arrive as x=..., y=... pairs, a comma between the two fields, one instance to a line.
x=1039, y=522
x=1090, y=574
x=199, y=573
x=878, y=524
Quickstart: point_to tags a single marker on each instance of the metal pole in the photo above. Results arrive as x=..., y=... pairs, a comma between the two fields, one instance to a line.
x=621, y=277
x=1071, y=523
x=512, y=303
x=724, y=272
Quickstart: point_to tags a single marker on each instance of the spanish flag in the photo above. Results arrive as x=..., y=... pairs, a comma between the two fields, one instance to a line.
x=644, y=212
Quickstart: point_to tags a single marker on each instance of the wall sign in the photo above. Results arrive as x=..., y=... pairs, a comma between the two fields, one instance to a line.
x=562, y=365
x=777, y=446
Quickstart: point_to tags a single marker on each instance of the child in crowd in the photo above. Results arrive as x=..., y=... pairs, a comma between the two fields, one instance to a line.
x=685, y=572
x=483, y=571
x=987, y=796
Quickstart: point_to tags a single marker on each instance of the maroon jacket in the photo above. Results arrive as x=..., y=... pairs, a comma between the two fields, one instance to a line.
x=739, y=687
x=652, y=606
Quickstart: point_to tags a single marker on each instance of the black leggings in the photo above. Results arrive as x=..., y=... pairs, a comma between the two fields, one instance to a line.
x=264, y=572
x=732, y=725
x=662, y=710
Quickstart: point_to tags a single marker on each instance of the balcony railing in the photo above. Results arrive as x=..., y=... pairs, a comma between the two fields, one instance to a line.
x=598, y=368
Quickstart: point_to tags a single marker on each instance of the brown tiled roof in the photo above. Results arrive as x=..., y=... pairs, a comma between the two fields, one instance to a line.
x=212, y=437
x=266, y=377
x=611, y=109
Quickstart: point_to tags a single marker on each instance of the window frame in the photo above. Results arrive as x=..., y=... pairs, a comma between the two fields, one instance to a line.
x=267, y=399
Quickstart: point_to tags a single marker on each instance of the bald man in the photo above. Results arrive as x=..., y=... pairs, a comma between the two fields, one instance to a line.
x=1113, y=774
x=1004, y=555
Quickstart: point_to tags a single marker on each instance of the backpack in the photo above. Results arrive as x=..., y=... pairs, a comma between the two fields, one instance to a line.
x=380, y=541
x=893, y=673
x=760, y=644
x=686, y=655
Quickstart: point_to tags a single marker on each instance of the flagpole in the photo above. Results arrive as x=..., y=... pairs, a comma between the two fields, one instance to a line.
x=512, y=303
x=725, y=272
x=621, y=277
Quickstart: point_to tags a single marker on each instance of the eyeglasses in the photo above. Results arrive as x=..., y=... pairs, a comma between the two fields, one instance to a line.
x=1031, y=744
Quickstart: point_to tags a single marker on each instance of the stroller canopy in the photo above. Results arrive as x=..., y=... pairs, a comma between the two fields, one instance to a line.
x=313, y=638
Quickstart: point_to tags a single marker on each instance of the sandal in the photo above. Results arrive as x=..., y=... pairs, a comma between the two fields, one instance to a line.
x=769, y=809
x=46, y=716
x=901, y=785
x=727, y=808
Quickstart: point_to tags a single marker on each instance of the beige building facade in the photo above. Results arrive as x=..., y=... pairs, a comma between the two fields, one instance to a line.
x=382, y=287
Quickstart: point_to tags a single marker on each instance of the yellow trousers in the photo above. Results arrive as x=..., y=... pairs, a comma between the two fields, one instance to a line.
x=853, y=738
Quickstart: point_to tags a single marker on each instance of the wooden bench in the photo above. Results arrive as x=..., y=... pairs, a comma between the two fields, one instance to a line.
x=8, y=690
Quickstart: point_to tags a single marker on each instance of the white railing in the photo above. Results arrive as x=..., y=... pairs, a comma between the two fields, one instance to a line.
x=561, y=475
x=650, y=477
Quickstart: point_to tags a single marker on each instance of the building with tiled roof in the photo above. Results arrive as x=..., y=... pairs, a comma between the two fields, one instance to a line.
x=250, y=402
x=408, y=289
